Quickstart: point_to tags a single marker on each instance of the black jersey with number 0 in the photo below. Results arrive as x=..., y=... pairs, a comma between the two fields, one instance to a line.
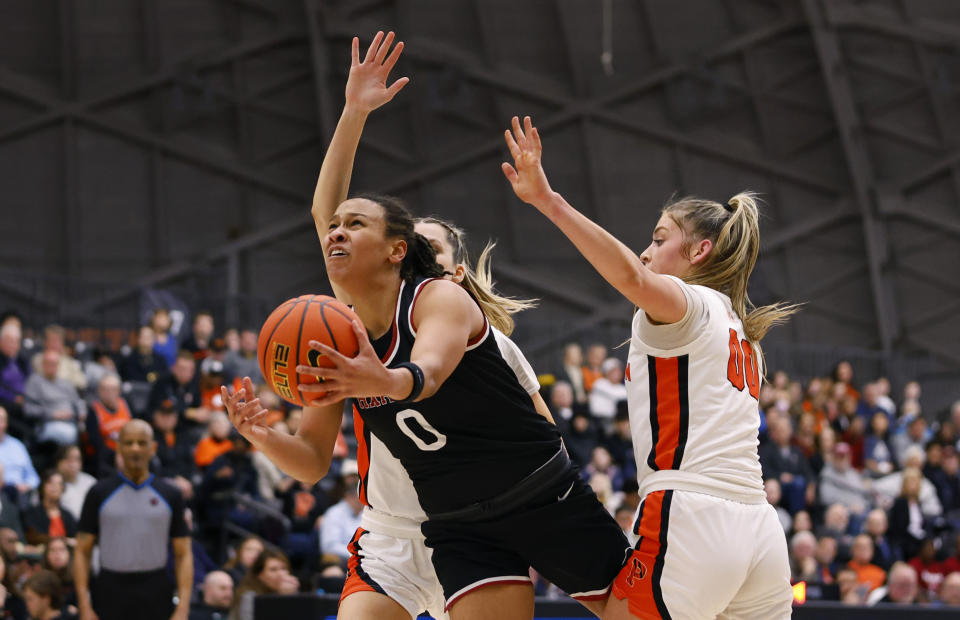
x=475, y=437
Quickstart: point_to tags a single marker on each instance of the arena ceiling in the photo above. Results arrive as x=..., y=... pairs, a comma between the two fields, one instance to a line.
x=174, y=144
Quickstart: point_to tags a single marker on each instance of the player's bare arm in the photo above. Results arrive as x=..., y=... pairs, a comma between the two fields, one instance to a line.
x=366, y=91
x=658, y=295
x=306, y=455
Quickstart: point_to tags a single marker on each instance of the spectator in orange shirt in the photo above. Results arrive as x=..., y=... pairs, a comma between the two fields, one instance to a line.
x=596, y=354
x=216, y=442
x=862, y=552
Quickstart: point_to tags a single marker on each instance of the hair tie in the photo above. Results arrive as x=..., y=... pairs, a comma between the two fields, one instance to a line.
x=730, y=206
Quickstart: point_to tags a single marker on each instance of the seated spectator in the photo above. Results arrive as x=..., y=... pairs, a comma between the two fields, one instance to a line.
x=200, y=339
x=883, y=399
x=950, y=590
x=216, y=442
x=875, y=526
x=165, y=344
x=274, y=484
x=929, y=570
x=596, y=355
x=243, y=558
x=270, y=574
x=181, y=387
x=243, y=363
x=877, y=455
x=211, y=378
x=826, y=557
x=14, y=369
x=18, y=470
x=230, y=474
x=216, y=598
x=54, y=402
x=66, y=367
x=869, y=405
x=561, y=404
x=780, y=459
x=602, y=463
x=901, y=588
x=826, y=441
x=581, y=437
x=946, y=480
x=862, y=553
x=620, y=443
x=341, y=521
x=608, y=390
x=913, y=434
x=108, y=415
x=803, y=564
x=143, y=364
x=48, y=519
x=624, y=516
x=841, y=484
x=908, y=527
x=11, y=604
x=76, y=482
x=174, y=457
x=43, y=596
x=9, y=512
x=952, y=563
x=58, y=559
x=772, y=488
x=802, y=522
x=889, y=487
x=572, y=371
x=852, y=592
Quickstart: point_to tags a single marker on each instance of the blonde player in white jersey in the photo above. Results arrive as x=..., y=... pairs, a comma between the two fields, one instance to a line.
x=391, y=576
x=710, y=546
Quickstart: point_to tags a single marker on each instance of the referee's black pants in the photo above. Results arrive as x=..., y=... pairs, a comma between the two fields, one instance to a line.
x=144, y=595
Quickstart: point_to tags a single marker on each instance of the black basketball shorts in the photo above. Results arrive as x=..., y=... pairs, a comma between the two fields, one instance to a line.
x=559, y=528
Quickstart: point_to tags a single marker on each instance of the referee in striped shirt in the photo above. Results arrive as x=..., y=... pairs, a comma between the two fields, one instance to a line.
x=132, y=517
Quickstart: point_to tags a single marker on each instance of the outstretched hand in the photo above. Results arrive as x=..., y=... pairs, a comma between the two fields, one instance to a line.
x=367, y=87
x=528, y=179
x=248, y=416
x=363, y=375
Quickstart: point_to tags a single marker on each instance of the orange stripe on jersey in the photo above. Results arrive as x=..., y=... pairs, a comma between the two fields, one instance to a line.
x=363, y=453
x=639, y=579
x=669, y=411
x=357, y=579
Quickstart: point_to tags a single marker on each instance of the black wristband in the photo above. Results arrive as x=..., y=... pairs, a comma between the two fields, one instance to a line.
x=417, y=373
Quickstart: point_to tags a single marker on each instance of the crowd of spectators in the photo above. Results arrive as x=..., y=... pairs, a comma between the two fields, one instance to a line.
x=865, y=484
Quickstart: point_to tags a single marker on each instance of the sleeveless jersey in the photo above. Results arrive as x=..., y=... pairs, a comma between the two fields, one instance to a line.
x=387, y=484
x=693, y=390
x=473, y=439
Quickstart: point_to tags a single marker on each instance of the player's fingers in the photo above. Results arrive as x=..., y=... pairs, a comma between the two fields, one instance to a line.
x=512, y=144
x=248, y=386
x=257, y=417
x=331, y=398
x=536, y=140
x=355, y=52
x=316, y=388
x=393, y=57
x=518, y=132
x=374, y=45
x=397, y=86
x=384, y=48
x=509, y=172
x=335, y=356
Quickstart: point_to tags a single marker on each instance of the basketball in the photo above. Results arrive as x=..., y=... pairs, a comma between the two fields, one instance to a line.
x=285, y=336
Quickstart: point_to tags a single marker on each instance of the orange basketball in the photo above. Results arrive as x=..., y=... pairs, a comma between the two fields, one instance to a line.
x=284, y=342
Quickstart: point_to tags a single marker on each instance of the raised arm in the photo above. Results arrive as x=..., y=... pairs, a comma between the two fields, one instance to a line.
x=306, y=455
x=366, y=91
x=659, y=296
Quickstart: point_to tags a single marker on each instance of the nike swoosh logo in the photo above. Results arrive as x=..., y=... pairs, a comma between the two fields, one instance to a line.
x=560, y=498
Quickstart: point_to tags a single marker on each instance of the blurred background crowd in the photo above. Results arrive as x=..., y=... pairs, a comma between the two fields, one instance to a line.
x=865, y=481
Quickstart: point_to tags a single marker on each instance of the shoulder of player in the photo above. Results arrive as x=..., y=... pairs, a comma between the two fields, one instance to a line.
x=440, y=293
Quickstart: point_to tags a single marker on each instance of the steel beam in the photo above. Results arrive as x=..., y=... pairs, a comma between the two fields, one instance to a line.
x=859, y=167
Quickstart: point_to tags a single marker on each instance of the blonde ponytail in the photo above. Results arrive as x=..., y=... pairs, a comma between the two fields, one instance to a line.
x=497, y=308
x=734, y=230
